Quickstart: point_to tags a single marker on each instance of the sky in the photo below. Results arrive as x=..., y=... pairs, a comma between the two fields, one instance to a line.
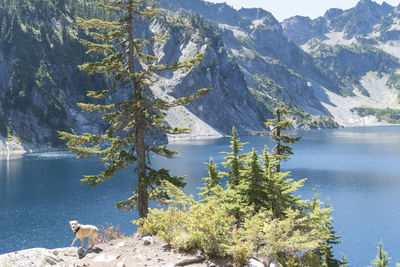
x=283, y=9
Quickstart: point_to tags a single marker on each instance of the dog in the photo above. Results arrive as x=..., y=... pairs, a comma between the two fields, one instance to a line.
x=81, y=231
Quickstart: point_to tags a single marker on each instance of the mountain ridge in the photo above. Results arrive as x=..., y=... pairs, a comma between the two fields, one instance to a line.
x=322, y=69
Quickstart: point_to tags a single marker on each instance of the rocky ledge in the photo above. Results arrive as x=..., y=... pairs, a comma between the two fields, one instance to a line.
x=128, y=251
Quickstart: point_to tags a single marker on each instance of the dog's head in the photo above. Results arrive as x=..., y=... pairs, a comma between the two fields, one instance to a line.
x=74, y=225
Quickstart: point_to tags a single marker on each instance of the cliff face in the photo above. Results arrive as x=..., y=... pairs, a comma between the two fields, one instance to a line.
x=40, y=83
x=255, y=40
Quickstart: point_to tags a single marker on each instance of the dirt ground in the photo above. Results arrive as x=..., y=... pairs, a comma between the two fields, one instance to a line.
x=132, y=252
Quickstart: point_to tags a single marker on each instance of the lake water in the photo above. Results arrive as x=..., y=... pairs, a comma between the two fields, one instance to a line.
x=357, y=169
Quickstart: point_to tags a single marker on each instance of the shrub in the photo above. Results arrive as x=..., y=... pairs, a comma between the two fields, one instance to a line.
x=203, y=227
x=109, y=232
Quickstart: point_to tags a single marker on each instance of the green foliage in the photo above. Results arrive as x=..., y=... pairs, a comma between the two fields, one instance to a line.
x=347, y=91
x=233, y=161
x=381, y=260
x=203, y=226
x=210, y=228
x=300, y=118
x=343, y=262
x=394, y=81
x=3, y=125
x=125, y=58
x=212, y=183
x=277, y=126
x=42, y=48
x=251, y=186
x=259, y=214
x=387, y=114
x=362, y=90
x=326, y=251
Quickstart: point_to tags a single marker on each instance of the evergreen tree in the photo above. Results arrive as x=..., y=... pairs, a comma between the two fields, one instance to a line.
x=252, y=185
x=381, y=260
x=326, y=252
x=278, y=188
x=212, y=183
x=130, y=121
x=281, y=151
x=234, y=161
x=343, y=262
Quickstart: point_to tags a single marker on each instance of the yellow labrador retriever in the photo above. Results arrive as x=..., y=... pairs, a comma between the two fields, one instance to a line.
x=81, y=231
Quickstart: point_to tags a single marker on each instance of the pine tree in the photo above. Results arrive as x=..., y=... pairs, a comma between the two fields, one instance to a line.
x=343, y=262
x=279, y=188
x=234, y=161
x=326, y=252
x=125, y=60
x=281, y=151
x=212, y=183
x=381, y=260
x=252, y=185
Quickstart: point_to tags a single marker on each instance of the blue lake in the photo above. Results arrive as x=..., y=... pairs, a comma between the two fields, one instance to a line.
x=357, y=169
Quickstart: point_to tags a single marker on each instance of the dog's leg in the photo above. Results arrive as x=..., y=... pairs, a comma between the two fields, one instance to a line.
x=92, y=237
x=82, y=243
x=91, y=241
x=73, y=242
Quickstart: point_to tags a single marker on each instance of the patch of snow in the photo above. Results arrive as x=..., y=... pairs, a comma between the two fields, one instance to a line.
x=337, y=38
x=236, y=30
x=391, y=47
x=395, y=24
x=306, y=48
x=256, y=23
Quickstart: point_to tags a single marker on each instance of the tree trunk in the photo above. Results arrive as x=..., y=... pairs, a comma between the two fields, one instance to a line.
x=278, y=141
x=140, y=125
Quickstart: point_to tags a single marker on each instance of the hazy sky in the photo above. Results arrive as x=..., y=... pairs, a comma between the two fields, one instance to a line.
x=283, y=9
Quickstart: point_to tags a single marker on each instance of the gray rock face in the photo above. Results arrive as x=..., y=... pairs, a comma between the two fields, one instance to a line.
x=259, y=46
x=253, y=62
x=359, y=21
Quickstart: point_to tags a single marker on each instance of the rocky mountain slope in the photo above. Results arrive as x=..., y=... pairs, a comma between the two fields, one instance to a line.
x=40, y=83
x=361, y=48
x=342, y=67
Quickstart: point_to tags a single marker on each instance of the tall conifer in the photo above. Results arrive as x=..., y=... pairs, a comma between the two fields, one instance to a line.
x=252, y=185
x=381, y=260
x=212, y=183
x=279, y=188
x=278, y=125
x=124, y=59
x=234, y=160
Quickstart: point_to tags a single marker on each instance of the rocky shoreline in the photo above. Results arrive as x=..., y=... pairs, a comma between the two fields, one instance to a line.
x=132, y=251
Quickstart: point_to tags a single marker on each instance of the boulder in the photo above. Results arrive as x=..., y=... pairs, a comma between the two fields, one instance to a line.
x=120, y=264
x=147, y=240
x=255, y=263
x=106, y=258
